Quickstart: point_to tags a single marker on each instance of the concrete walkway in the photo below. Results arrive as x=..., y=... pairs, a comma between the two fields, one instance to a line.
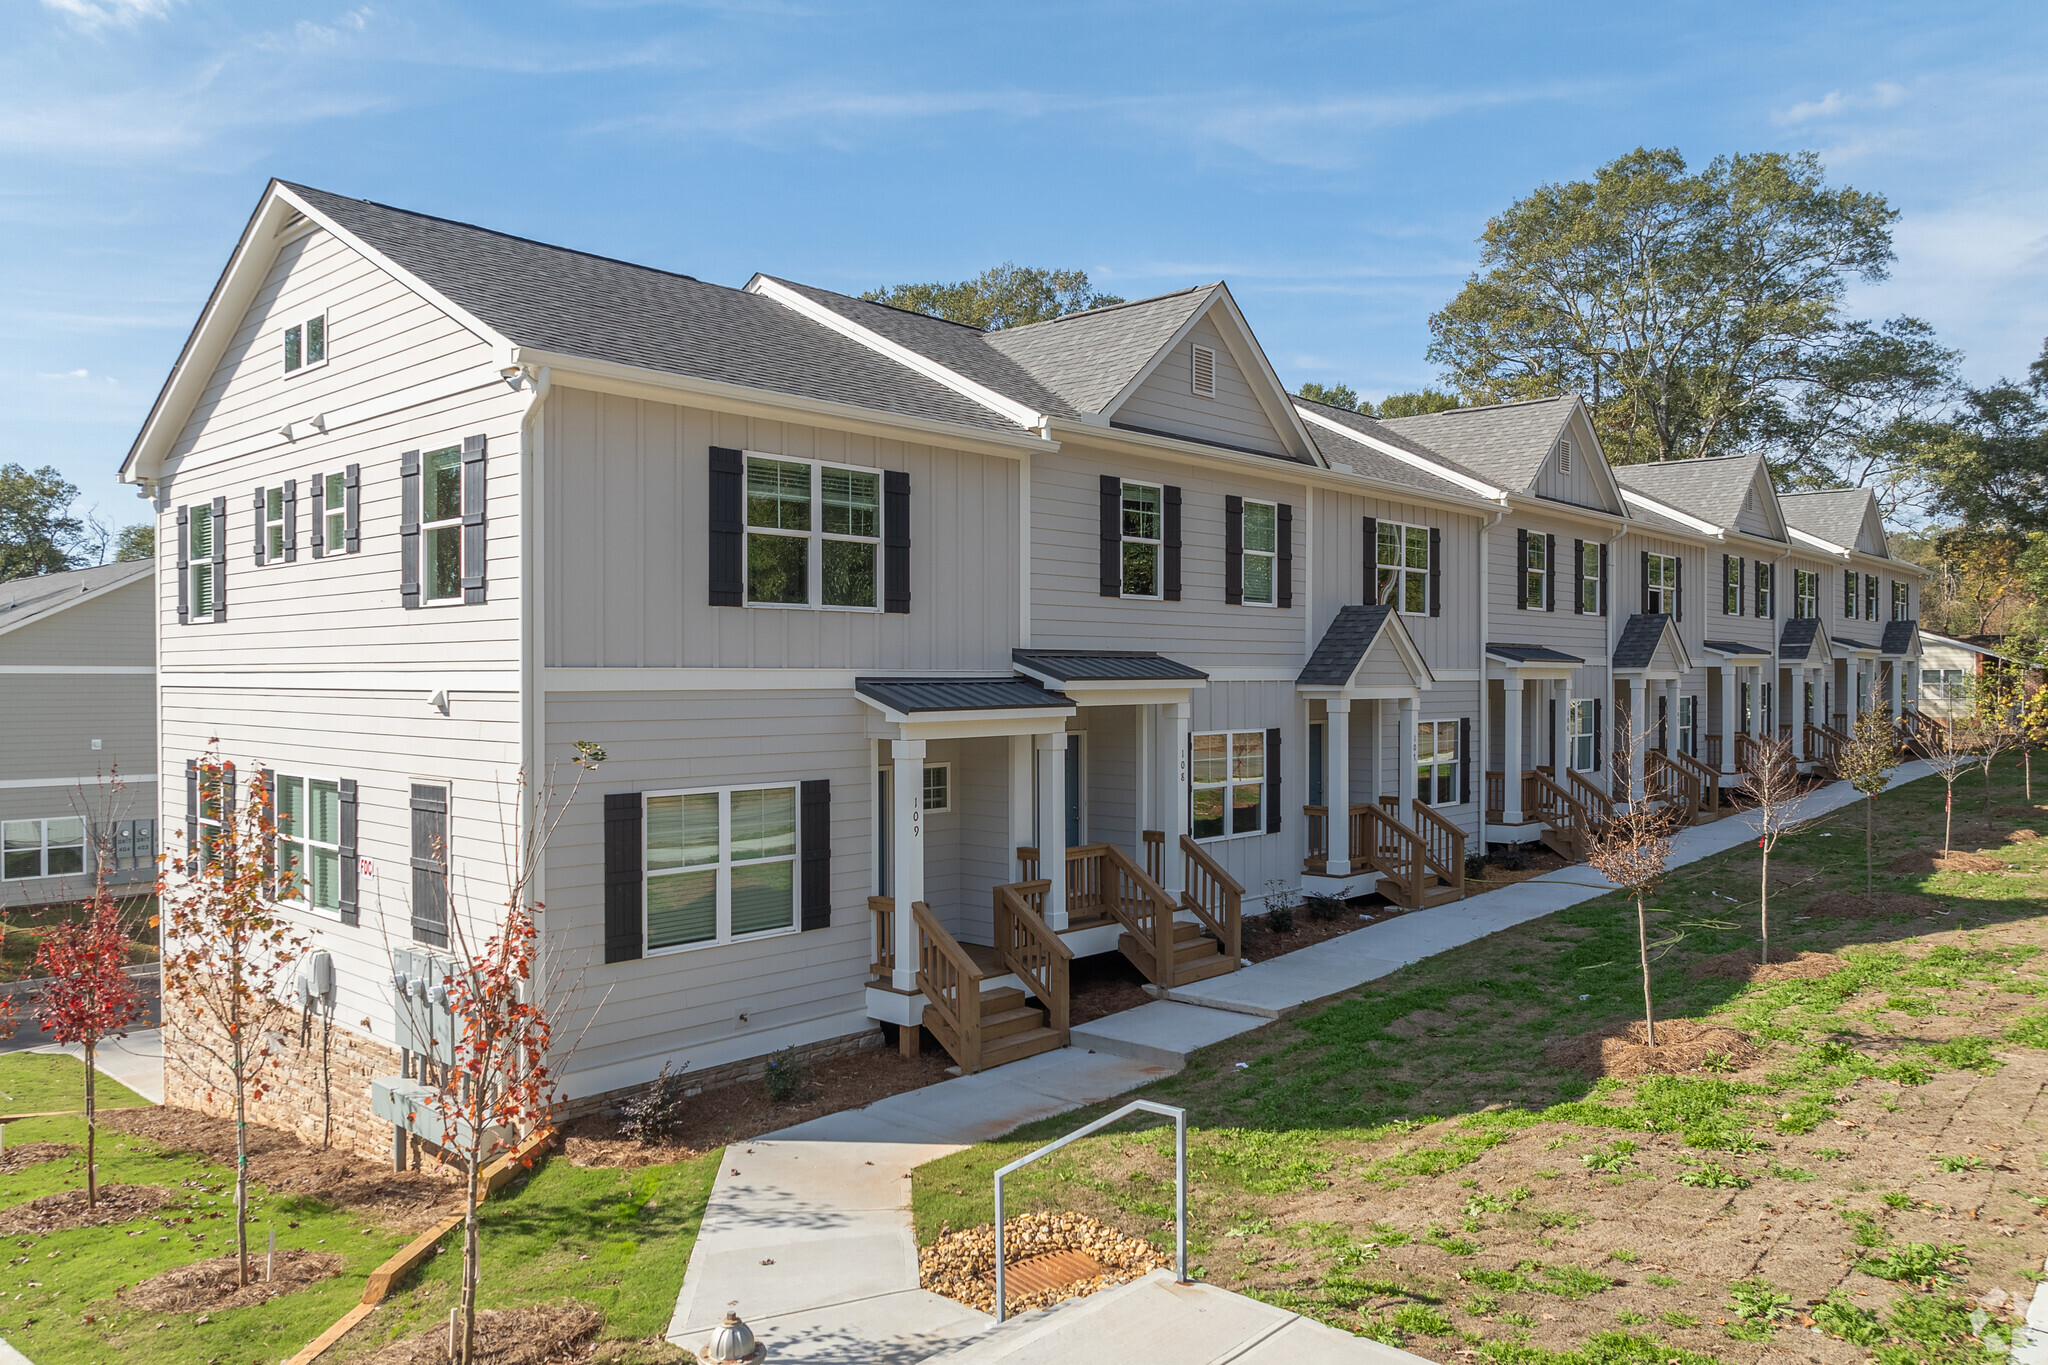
x=136, y=1061
x=808, y=1231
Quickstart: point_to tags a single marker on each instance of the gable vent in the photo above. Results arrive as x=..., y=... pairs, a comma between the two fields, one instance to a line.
x=1564, y=456
x=1205, y=372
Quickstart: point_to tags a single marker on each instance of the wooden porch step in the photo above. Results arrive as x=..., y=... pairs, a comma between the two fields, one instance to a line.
x=1431, y=896
x=1196, y=956
x=1017, y=1046
x=1187, y=973
x=1001, y=1024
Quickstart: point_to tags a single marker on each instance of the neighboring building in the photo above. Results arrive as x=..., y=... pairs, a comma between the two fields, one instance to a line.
x=1950, y=669
x=872, y=611
x=78, y=708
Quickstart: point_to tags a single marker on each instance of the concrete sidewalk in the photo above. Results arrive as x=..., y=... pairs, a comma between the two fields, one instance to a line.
x=136, y=1061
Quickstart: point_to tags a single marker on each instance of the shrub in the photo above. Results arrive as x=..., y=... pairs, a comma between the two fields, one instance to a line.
x=1475, y=866
x=652, y=1115
x=785, y=1077
x=1512, y=858
x=1323, y=907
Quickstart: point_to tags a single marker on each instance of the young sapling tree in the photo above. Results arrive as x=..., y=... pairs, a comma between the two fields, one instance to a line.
x=1991, y=727
x=1631, y=851
x=87, y=996
x=1774, y=787
x=1867, y=762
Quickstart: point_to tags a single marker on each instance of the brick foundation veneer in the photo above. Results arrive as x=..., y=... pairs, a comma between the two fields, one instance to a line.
x=712, y=1077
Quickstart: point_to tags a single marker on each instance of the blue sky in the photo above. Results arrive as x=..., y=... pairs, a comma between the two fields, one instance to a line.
x=1333, y=163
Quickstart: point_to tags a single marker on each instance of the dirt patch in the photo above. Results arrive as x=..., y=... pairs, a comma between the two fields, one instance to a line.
x=2023, y=836
x=1743, y=965
x=962, y=1265
x=207, y=1285
x=539, y=1335
x=1855, y=905
x=283, y=1165
x=1262, y=944
x=1920, y=862
x=1683, y=1045
x=1534, y=860
x=1105, y=984
x=66, y=1210
x=33, y=1153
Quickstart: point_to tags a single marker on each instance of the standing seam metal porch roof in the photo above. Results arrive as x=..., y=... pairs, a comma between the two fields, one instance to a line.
x=1532, y=654
x=1105, y=665
x=910, y=695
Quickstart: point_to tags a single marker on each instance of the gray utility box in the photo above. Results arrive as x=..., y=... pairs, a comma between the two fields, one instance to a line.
x=426, y=1036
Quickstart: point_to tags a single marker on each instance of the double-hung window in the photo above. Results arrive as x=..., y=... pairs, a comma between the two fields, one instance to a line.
x=1229, y=780
x=1870, y=596
x=1731, y=585
x=720, y=865
x=1902, y=602
x=334, y=512
x=305, y=344
x=1589, y=577
x=1805, y=594
x=1142, y=530
x=1688, y=726
x=199, y=584
x=309, y=841
x=42, y=848
x=1660, y=584
x=214, y=819
x=1261, y=549
x=1402, y=559
x=1535, y=571
x=1766, y=603
x=276, y=537
x=814, y=534
x=938, y=788
x=1582, y=739
x=1436, y=762
x=441, y=523
x=1849, y=598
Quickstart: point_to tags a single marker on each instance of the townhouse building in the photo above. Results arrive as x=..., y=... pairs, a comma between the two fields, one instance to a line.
x=923, y=660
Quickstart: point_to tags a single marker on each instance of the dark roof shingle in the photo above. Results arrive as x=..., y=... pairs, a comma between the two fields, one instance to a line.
x=1088, y=358
x=1833, y=514
x=1639, y=638
x=1899, y=637
x=1343, y=645
x=1711, y=489
x=1797, y=639
x=24, y=599
x=1505, y=443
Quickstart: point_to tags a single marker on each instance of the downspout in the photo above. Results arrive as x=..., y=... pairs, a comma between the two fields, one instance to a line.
x=532, y=662
x=1484, y=745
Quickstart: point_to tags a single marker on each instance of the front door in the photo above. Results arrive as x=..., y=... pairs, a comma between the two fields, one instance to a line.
x=885, y=835
x=1073, y=791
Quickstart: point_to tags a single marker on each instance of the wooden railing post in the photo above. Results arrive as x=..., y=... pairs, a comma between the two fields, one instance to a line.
x=1031, y=949
x=1155, y=854
x=1215, y=897
x=883, y=910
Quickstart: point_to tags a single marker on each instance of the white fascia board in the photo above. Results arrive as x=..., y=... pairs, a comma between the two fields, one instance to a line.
x=1966, y=646
x=1827, y=546
x=1705, y=528
x=1022, y=414
x=1407, y=457
x=144, y=568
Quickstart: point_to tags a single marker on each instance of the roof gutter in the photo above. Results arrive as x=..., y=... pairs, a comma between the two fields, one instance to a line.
x=1407, y=457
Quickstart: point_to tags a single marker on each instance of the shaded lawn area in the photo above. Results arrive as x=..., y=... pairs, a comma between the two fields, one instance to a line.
x=25, y=926
x=1402, y=1161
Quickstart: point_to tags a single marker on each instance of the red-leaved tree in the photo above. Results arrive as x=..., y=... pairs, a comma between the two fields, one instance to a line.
x=86, y=995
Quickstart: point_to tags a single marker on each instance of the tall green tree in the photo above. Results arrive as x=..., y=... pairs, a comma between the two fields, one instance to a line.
x=136, y=542
x=1336, y=396
x=1008, y=295
x=1876, y=410
x=38, y=533
x=1686, y=305
x=1992, y=468
x=1417, y=404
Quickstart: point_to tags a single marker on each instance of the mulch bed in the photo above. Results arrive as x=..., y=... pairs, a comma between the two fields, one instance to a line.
x=540, y=1335
x=1743, y=965
x=1683, y=1045
x=1920, y=862
x=1262, y=944
x=284, y=1165
x=209, y=1285
x=33, y=1153
x=1855, y=905
x=66, y=1210
x=962, y=1265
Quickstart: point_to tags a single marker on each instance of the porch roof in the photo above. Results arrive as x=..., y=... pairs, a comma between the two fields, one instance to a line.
x=1104, y=665
x=913, y=696
x=1859, y=646
x=1803, y=638
x=1353, y=635
x=1647, y=636
x=1735, y=649
x=1531, y=654
x=1901, y=638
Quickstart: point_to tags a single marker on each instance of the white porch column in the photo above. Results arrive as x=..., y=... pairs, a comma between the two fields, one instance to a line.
x=906, y=824
x=1147, y=726
x=1731, y=702
x=1898, y=678
x=1755, y=723
x=1023, y=809
x=1671, y=716
x=1405, y=747
x=1052, y=825
x=1173, y=867
x=1511, y=740
x=1854, y=709
x=1638, y=735
x=1337, y=785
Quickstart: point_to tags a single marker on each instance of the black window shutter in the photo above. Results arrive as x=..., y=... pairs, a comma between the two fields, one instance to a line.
x=1599, y=739
x=269, y=778
x=1436, y=572
x=1273, y=771
x=259, y=523
x=350, y=892
x=728, y=536
x=895, y=541
x=622, y=817
x=1112, y=536
x=409, y=528
x=227, y=802
x=1849, y=593
x=1283, y=561
x=474, y=578
x=351, y=480
x=1678, y=587
x=1578, y=577
x=191, y=811
x=1603, y=580
x=1464, y=759
x=184, y=567
x=1372, y=561
x=1646, y=580
x=814, y=816
x=1170, y=570
x=291, y=521
x=1233, y=549
x=319, y=523
x=220, y=559
x=1521, y=570
x=430, y=864
x=1727, y=562
x=1550, y=573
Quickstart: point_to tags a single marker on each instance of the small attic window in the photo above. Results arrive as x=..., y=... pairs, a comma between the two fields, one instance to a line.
x=1564, y=456
x=305, y=344
x=1205, y=372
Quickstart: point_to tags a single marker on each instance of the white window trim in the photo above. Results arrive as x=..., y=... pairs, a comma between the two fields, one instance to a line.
x=43, y=847
x=1536, y=543
x=1456, y=762
x=1272, y=556
x=1573, y=734
x=222, y=827
x=1195, y=357
x=428, y=527
x=281, y=523
x=1401, y=569
x=333, y=512
x=1588, y=581
x=924, y=796
x=1231, y=783
x=195, y=562
x=1688, y=726
x=1731, y=565
x=1668, y=588
x=1766, y=589
x=1902, y=601
x=306, y=842
x=1870, y=596
x=814, y=557
x=1805, y=594
x=1158, y=543
x=326, y=344
x=724, y=937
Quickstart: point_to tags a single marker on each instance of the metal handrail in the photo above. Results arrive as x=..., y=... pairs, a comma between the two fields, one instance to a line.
x=1180, y=1183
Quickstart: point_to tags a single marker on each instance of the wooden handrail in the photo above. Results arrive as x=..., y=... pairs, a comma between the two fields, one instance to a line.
x=1669, y=780
x=1027, y=863
x=1746, y=752
x=1215, y=897
x=1442, y=844
x=883, y=909
x=1706, y=780
x=1154, y=841
x=1598, y=804
x=1560, y=810
x=1102, y=878
x=1713, y=747
x=951, y=983
x=1029, y=947
x=1391, y=847
x=1318, y=818
x=1497, y=790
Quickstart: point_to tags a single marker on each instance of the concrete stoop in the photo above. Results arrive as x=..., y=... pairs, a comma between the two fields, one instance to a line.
x=1154, y=1321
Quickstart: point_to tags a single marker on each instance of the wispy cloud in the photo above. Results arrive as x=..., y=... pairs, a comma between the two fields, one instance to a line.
x=1836, y=105
x=91, y=15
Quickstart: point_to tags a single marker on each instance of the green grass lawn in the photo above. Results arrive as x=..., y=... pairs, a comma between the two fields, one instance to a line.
x=1401, y=1160
x=618, y=1240
x=25, y=926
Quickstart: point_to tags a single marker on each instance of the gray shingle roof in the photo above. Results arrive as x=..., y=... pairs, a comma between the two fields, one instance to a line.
x=1088, y=358
x=555, y=299
x=1735, y=647
x=1504, y=444
x=1639, y=638
x=1853, y=644
x=1798, y=638
x=958, y=694
x=1899, y=637
x=1532, y=654
x=1834, y=514
x=24, y=599
x=1360, y=458
x=1343, y=645
x=1710, y=489
x=1102, y=665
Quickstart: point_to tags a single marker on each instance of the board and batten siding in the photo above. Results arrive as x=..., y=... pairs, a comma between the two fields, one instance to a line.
x=1256, y=859
x=1167, y=401
x=1447, y=640
x=628, y=489
x=1580, y=486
